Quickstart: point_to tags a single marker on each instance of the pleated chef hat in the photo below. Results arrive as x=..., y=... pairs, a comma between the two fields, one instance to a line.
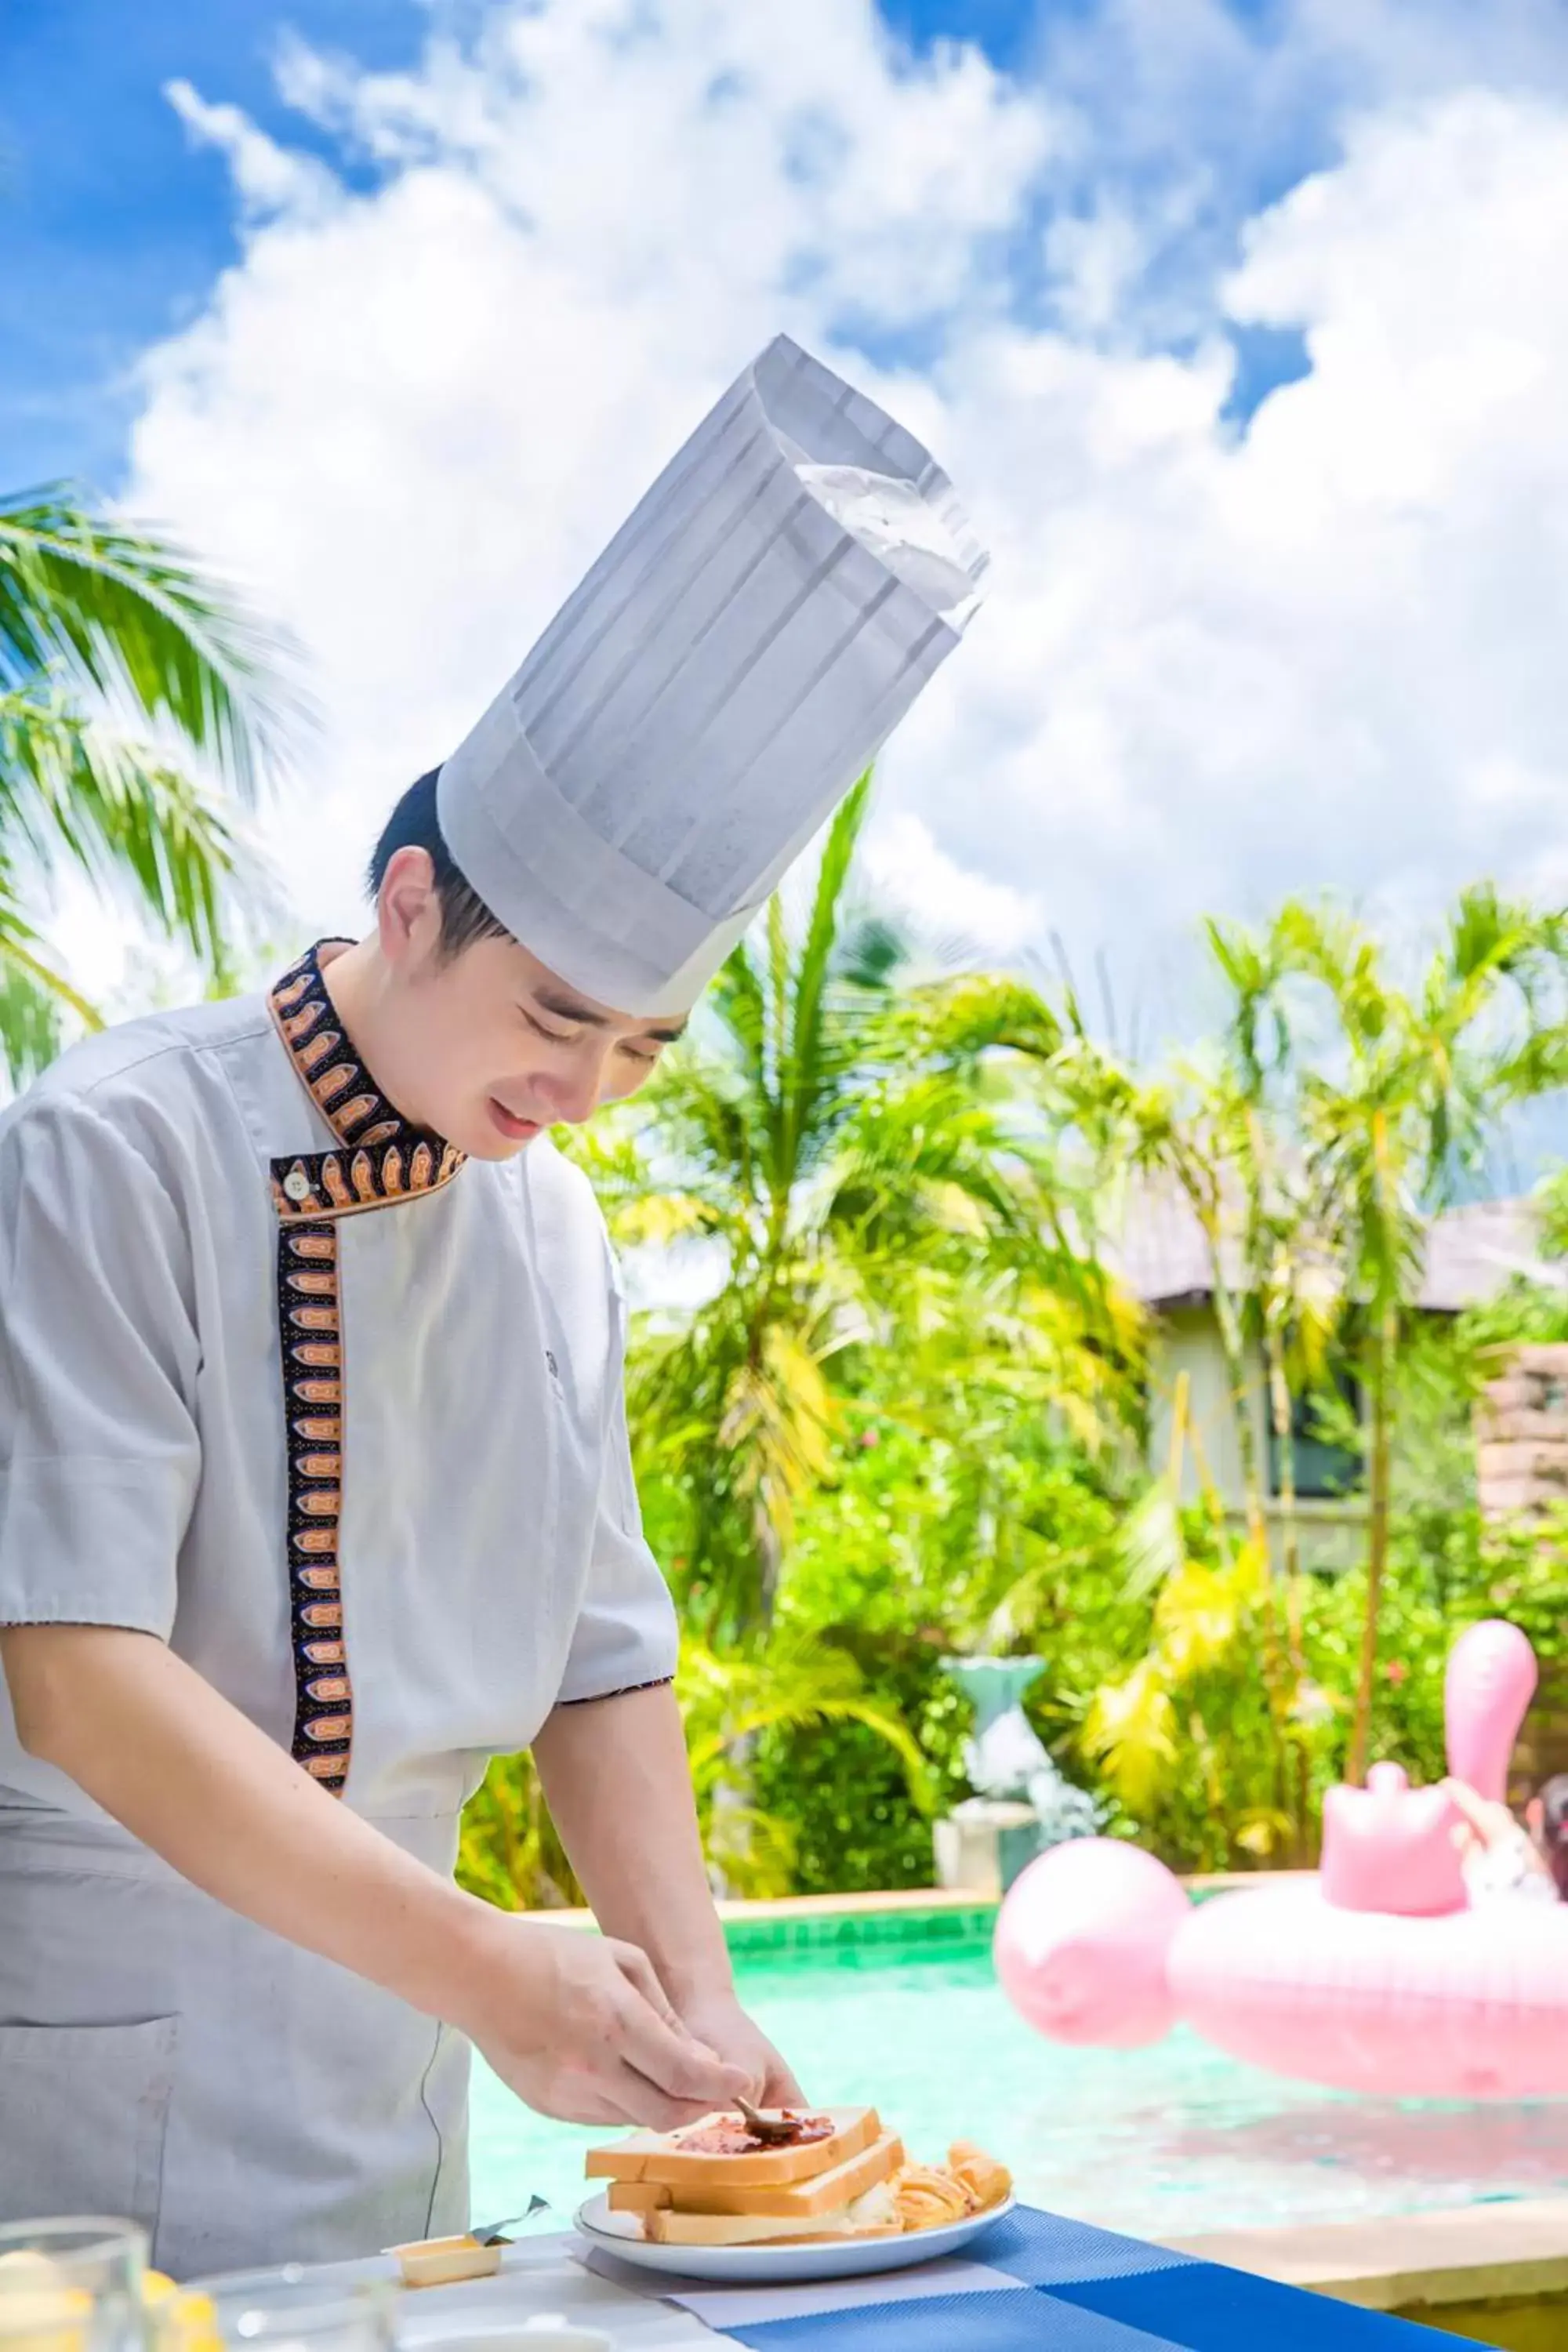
x=726, y=670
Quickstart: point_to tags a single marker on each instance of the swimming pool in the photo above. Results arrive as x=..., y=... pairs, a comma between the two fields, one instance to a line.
x=1164, y=2143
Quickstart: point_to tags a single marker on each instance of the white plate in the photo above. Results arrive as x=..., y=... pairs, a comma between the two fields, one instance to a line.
x=780, y=2265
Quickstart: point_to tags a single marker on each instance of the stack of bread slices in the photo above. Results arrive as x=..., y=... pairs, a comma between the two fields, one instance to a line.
x=710, y=2185
x=834, y=2173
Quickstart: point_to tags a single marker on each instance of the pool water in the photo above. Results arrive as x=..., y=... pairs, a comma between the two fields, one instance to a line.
x=1163, y=2143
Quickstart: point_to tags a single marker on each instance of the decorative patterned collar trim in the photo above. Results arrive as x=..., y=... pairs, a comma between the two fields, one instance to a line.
x=381, y=1156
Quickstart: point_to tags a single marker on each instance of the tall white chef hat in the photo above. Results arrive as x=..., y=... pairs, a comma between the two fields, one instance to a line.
x=720, y=678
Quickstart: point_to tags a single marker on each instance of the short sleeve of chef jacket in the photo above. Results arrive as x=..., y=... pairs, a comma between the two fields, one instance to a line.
x=98, y=1453
x=626, y=1637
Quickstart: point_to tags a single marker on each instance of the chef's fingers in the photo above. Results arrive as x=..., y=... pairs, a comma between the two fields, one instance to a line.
x=643, y=1977
x=582, y=2099
x=609, y=2091
x=642, y=2102
x=780, y=2089
x=672, y=2060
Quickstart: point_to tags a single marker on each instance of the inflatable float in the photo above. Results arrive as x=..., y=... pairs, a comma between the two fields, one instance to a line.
x=1374, y=1975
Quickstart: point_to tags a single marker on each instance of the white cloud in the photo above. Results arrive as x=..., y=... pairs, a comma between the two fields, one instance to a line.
x=945, y=900
x=1213, y=669
x=1216, y=671
x=267, y=177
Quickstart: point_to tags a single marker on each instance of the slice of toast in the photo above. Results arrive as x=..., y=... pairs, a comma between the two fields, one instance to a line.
x=667, y=2159
x=824, y=2193
x=637, y=2195
x=869, y=2216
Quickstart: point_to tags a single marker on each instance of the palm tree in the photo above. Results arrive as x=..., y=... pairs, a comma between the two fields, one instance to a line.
x=840, y=1136
x=1174, y=1132
x=135, y=695
x=1402, y=1104
x=1217, y=1131
x=1150, y=1729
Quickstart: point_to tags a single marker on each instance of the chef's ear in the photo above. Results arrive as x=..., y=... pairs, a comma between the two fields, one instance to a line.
x=408, y=910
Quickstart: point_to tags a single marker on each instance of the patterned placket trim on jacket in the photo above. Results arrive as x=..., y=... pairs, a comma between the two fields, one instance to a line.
x=378, y=1160
x=311, y=1327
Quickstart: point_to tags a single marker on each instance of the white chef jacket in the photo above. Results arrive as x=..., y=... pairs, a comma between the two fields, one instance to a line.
x=338, y=1414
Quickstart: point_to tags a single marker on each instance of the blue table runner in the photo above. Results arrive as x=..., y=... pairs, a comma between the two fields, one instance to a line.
x=1080, y=2289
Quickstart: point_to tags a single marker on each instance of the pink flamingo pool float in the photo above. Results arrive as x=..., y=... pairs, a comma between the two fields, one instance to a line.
x=1375, y=1975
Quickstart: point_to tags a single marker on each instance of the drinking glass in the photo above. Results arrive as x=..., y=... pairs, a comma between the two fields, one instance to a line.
x=72, y=2285
x=359, y=2320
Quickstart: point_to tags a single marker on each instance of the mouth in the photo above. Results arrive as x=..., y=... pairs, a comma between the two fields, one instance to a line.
x=516, y=1130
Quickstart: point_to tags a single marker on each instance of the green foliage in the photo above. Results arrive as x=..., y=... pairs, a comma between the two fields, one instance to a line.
x=136, y=699
x=798, y=1683
x=930, y=1540
x=1515, y=1575
x=909, y=1415
x=510, y=1855
x=795, y=1686
x=1405, y=1104
x=855, y=1826
x=841, y=1135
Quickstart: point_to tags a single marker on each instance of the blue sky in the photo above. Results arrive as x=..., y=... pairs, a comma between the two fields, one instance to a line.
x=114, y=224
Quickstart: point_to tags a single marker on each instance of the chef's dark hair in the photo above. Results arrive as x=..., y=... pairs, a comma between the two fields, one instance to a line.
x=414, y=824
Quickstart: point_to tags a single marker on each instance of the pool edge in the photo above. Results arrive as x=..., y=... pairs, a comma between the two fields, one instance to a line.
x=1443, y=2259
x=798, y=1920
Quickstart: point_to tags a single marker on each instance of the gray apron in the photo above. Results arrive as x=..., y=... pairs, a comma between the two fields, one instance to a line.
x=245, y=2101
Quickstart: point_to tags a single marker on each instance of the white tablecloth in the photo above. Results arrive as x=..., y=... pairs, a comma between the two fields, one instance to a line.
x=540, y=2275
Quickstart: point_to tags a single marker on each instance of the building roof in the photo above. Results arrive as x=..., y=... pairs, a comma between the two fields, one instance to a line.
x=1471, y=1253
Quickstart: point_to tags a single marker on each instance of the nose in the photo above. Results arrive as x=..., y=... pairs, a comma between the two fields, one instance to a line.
x=572, y=1093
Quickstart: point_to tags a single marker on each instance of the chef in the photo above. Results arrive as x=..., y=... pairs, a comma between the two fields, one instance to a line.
x=315, y=1490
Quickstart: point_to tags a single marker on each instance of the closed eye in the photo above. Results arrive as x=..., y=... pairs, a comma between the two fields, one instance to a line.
x=556, y=1036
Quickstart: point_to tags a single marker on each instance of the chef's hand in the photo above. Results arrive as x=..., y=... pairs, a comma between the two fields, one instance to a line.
x=720, y=2022
x=579, y=2027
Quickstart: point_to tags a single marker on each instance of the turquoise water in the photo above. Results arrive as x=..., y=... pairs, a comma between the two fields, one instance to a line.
x=1163, y=2143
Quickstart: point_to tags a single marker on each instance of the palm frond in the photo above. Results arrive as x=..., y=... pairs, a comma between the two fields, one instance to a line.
x=129, y=619
x=737, y=1006
x=1130, y=1731
x=790, y=1684
x=1197, y=1619
x=872, y=951
x=31, y=1031
x=974, y=1013
x=825, y=926
x=778, y=1416
x=126, y=818
x=1152, y=1549
x=34, y=996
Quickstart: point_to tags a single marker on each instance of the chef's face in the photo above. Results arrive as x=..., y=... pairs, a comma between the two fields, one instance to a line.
x=487, y=1045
